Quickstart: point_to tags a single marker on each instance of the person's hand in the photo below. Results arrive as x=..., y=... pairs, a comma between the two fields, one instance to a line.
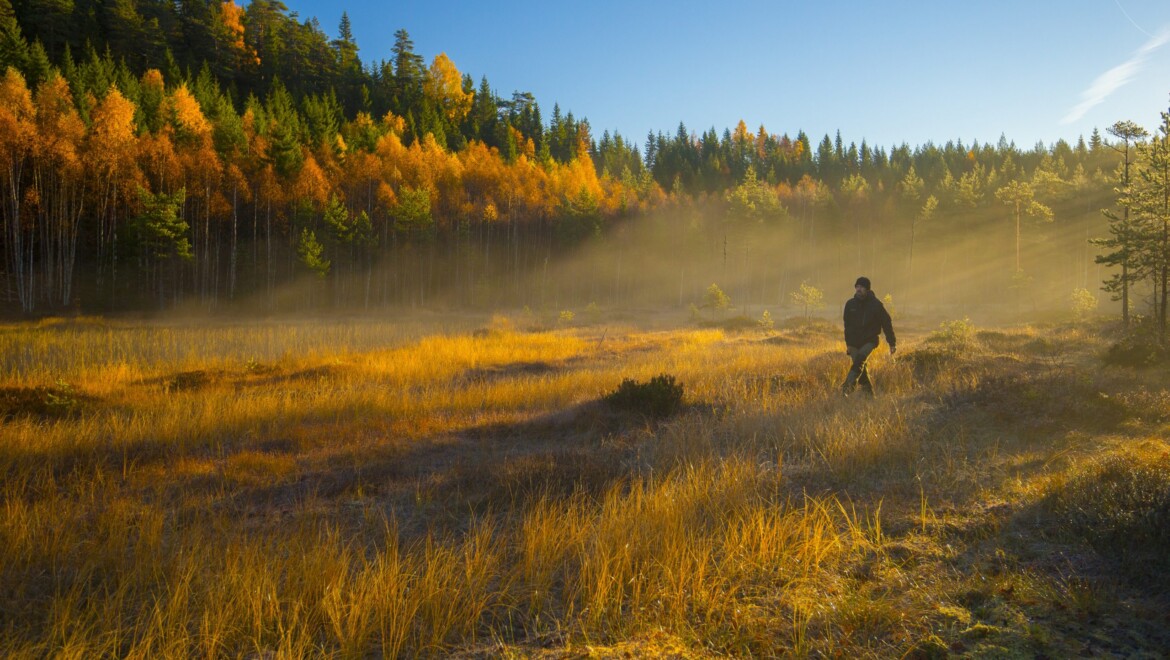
x=893, y=349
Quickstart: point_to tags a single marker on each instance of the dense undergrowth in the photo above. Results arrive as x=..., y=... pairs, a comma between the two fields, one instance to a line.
x=349, y=490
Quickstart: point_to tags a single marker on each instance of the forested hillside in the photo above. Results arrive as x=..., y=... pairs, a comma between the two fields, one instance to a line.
x=194, y=153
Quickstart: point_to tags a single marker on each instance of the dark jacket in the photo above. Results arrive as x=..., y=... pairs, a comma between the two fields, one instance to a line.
x=864, y=319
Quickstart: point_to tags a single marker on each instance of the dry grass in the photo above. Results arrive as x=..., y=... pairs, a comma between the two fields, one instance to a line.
x=358, y=489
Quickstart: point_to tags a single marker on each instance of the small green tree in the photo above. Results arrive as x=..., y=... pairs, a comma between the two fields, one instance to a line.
x=766, y=323
x=161, y=232
x=1083, y=303
x=312, y=253
x=715, y=299
x=809, y=298
x=161, y=237
x=412, y=214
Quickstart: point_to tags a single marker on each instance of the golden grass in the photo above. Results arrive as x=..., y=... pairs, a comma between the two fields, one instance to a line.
x=355, y=489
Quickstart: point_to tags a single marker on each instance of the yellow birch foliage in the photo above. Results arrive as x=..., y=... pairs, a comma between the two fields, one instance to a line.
x=200, y=164
x=159, y=162
x=110, y=143
x=312, y=184
x=391, y=152
x=394, y=124
x=187, y=116
x=441, y=172
x=444, y=86
x=59, y=128
x=569, y=179
x=482, y=173
x=232, y=17
x=359, y=179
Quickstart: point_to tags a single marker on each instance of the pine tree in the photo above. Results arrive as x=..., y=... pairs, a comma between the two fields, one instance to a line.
x=14, y=50
x=1151, y=201
x=349, y=67
x=1123, y=233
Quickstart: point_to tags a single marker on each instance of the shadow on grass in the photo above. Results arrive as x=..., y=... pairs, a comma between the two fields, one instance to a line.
x=436, y=484
x=1083, y=570
x=254, y=375
x=43, y=404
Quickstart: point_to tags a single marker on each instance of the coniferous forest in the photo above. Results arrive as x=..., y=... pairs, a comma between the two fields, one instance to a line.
x=201, y=155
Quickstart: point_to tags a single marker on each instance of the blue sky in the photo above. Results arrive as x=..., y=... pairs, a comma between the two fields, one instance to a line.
x=887, y=72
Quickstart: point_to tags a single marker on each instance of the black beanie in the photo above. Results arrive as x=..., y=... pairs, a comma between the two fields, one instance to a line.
x=863, y=281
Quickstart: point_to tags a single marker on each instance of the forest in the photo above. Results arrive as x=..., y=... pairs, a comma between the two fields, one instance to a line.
x=201, y=155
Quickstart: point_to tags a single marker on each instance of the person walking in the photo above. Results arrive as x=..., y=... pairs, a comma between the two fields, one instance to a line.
x=865, y=317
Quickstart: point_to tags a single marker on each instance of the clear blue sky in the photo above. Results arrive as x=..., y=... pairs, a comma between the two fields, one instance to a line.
x=887, y=72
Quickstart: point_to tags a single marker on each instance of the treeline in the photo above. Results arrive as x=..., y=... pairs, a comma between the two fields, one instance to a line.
x=158, y=153
x=260, y=150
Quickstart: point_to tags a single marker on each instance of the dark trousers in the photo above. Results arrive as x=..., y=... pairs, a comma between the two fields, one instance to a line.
x=858, y=374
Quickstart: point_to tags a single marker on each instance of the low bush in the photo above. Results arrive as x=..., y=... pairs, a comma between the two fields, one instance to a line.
x=957, y=334
x=1137, y=350
x=661, y=396
x=46, y=403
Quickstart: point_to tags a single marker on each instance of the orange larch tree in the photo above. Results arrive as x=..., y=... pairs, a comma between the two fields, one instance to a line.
x=58, y=188
x=201, y=176
x=108, y=155
x=17, y=133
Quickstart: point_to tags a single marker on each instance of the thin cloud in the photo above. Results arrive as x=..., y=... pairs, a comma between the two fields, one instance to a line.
x=1114, y=78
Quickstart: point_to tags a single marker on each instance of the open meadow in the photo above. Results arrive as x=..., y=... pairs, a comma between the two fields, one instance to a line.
x=362, y=488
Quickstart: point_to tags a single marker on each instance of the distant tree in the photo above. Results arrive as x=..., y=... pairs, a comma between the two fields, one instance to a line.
x=715, y=300
x=285, y=132
x=408, y=78
x=444, y=91
x=161, y=237
x=809, y=298
x=412, y=213
x=765, y=322
x=312, y=253
x=161, y=233
x=1083, y=303
x=754, y=200
x=349, y=66
x=1020, y=197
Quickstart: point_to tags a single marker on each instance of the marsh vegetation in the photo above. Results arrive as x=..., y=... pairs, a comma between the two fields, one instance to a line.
x=357, y=488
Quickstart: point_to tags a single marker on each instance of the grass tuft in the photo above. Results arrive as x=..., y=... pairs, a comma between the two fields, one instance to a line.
x=1120, y=503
